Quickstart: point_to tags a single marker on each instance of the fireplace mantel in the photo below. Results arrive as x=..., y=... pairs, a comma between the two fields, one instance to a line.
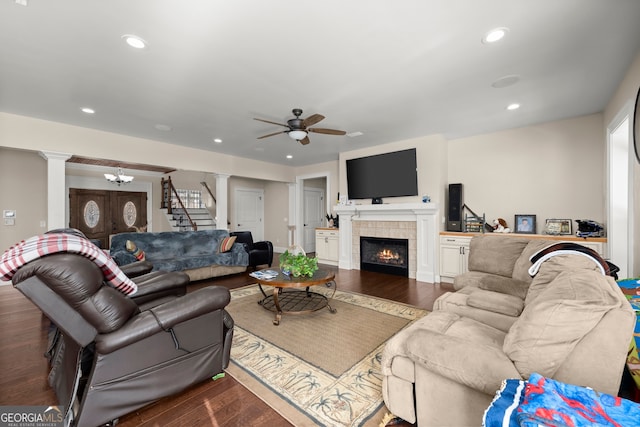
x=425, y=215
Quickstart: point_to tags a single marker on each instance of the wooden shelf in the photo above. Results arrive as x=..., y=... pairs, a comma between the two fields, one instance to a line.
x=567, y=237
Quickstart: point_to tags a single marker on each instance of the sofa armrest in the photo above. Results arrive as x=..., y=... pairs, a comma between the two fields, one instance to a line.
x=164, y=317
x=495, y=302
x=160, y=284
x=480, y=367
x=137, y=268
x=263, y=246
x=192, y=305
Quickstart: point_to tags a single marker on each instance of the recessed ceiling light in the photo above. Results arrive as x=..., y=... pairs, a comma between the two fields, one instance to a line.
x=513, y=106
x=495, y=35
x=217, y=141
x=289, y=156
x=506, y=81
x=88, y=110
x=163, y=128
x=354, y=134
x=134, y=41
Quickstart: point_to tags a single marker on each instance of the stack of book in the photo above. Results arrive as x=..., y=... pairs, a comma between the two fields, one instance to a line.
x=264, y=274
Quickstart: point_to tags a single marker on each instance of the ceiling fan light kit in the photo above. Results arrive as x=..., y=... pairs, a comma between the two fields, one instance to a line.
x=297, y=134
x=298, y=129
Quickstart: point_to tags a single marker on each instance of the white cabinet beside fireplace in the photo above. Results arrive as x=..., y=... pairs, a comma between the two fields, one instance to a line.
x=454, y=257
x=327, y=244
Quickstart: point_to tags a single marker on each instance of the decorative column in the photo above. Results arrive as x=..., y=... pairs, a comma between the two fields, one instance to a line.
x=346, y=239
x=427, y=269
x=56, y=190
x=222, y=200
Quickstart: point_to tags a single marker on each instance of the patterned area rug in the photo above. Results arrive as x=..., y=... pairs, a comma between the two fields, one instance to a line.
x=319, y=368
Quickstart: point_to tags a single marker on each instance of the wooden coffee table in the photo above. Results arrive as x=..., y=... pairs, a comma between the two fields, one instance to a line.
x=292, y=295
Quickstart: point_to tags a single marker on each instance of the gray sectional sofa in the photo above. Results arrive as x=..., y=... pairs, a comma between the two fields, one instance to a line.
x=569, y=321
x=196, y=253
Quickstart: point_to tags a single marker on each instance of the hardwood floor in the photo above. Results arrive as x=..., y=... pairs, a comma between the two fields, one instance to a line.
x=223, y=402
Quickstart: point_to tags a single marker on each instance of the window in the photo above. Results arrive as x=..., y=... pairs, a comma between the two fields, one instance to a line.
x=190, y=199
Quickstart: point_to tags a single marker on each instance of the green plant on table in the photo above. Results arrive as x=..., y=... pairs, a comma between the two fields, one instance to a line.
x=298, y=264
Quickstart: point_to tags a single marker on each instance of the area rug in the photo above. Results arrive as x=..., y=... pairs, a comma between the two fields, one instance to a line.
x=318, y=368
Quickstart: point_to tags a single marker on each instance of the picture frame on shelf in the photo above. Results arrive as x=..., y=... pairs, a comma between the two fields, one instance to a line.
x=557, y=226
x=525, y=224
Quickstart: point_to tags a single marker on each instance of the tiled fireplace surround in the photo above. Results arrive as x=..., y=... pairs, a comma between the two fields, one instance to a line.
x=416, y=222
x=388, y=229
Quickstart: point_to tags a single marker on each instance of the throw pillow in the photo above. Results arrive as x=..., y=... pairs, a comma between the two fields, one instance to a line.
x=135, y=250
x=226, y=244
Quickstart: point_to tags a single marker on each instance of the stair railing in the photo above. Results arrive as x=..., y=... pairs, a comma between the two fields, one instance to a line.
x=206, y=186
x=168, y=190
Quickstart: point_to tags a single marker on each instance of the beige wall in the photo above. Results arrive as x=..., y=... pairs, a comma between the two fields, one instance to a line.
x=34, y=134
x=552, y=170
x=23, y=188
x=276, y=208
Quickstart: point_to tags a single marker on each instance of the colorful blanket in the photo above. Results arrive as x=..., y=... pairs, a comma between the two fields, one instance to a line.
x=38, y=246
x=545, y=402
x=631, y=289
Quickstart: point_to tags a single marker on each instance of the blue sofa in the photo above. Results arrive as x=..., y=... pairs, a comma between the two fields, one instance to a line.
x=194, y=252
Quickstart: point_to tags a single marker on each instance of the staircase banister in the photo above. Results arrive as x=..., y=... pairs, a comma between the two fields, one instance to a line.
x=205, y=185
x=168, y=183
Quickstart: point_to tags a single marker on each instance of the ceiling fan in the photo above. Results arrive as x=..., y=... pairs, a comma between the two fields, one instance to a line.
x=299, y=129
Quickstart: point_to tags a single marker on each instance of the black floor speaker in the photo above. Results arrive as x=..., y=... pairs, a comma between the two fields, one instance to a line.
x=455, y=204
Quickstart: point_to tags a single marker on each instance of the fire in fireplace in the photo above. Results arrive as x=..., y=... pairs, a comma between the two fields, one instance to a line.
x=384, y=255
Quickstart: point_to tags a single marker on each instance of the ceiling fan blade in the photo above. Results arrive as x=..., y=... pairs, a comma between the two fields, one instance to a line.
x=305, y=140
x=313, y=119
x=272, y=134
x=273, y=123
x=327, y=131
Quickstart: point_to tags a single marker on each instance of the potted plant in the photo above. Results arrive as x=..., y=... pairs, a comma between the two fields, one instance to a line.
x=298, y=264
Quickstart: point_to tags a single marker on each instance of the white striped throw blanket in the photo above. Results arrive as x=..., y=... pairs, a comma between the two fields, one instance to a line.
x=38, y=246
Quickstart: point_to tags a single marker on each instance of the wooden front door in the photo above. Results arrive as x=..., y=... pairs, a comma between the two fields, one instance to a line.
x=100, y=213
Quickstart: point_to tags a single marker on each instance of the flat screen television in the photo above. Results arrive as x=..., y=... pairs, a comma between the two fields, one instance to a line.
x=384, y=175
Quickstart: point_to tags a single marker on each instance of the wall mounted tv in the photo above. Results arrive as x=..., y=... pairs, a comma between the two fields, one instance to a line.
x=384, y=175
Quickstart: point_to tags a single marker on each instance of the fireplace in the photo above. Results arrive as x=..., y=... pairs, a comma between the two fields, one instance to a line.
x=384, y=255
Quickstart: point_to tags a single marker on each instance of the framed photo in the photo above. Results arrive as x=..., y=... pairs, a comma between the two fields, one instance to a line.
x=558, y=226
x=525, y=224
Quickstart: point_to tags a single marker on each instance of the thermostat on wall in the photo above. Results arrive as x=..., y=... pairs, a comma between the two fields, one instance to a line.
x=9, y=217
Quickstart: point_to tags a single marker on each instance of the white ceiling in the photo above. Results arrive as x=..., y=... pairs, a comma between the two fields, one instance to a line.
x=392, y=70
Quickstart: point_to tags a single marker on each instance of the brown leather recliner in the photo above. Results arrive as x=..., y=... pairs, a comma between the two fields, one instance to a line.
x=113, y=356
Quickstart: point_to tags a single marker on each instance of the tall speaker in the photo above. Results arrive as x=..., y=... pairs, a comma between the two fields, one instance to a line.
x=456, y=203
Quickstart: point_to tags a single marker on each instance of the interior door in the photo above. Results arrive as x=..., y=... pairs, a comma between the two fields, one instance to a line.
x=249, y=205
x=312, y=217
x=100, y=213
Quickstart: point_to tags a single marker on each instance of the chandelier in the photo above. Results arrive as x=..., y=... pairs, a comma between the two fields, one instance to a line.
x=120, y=178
